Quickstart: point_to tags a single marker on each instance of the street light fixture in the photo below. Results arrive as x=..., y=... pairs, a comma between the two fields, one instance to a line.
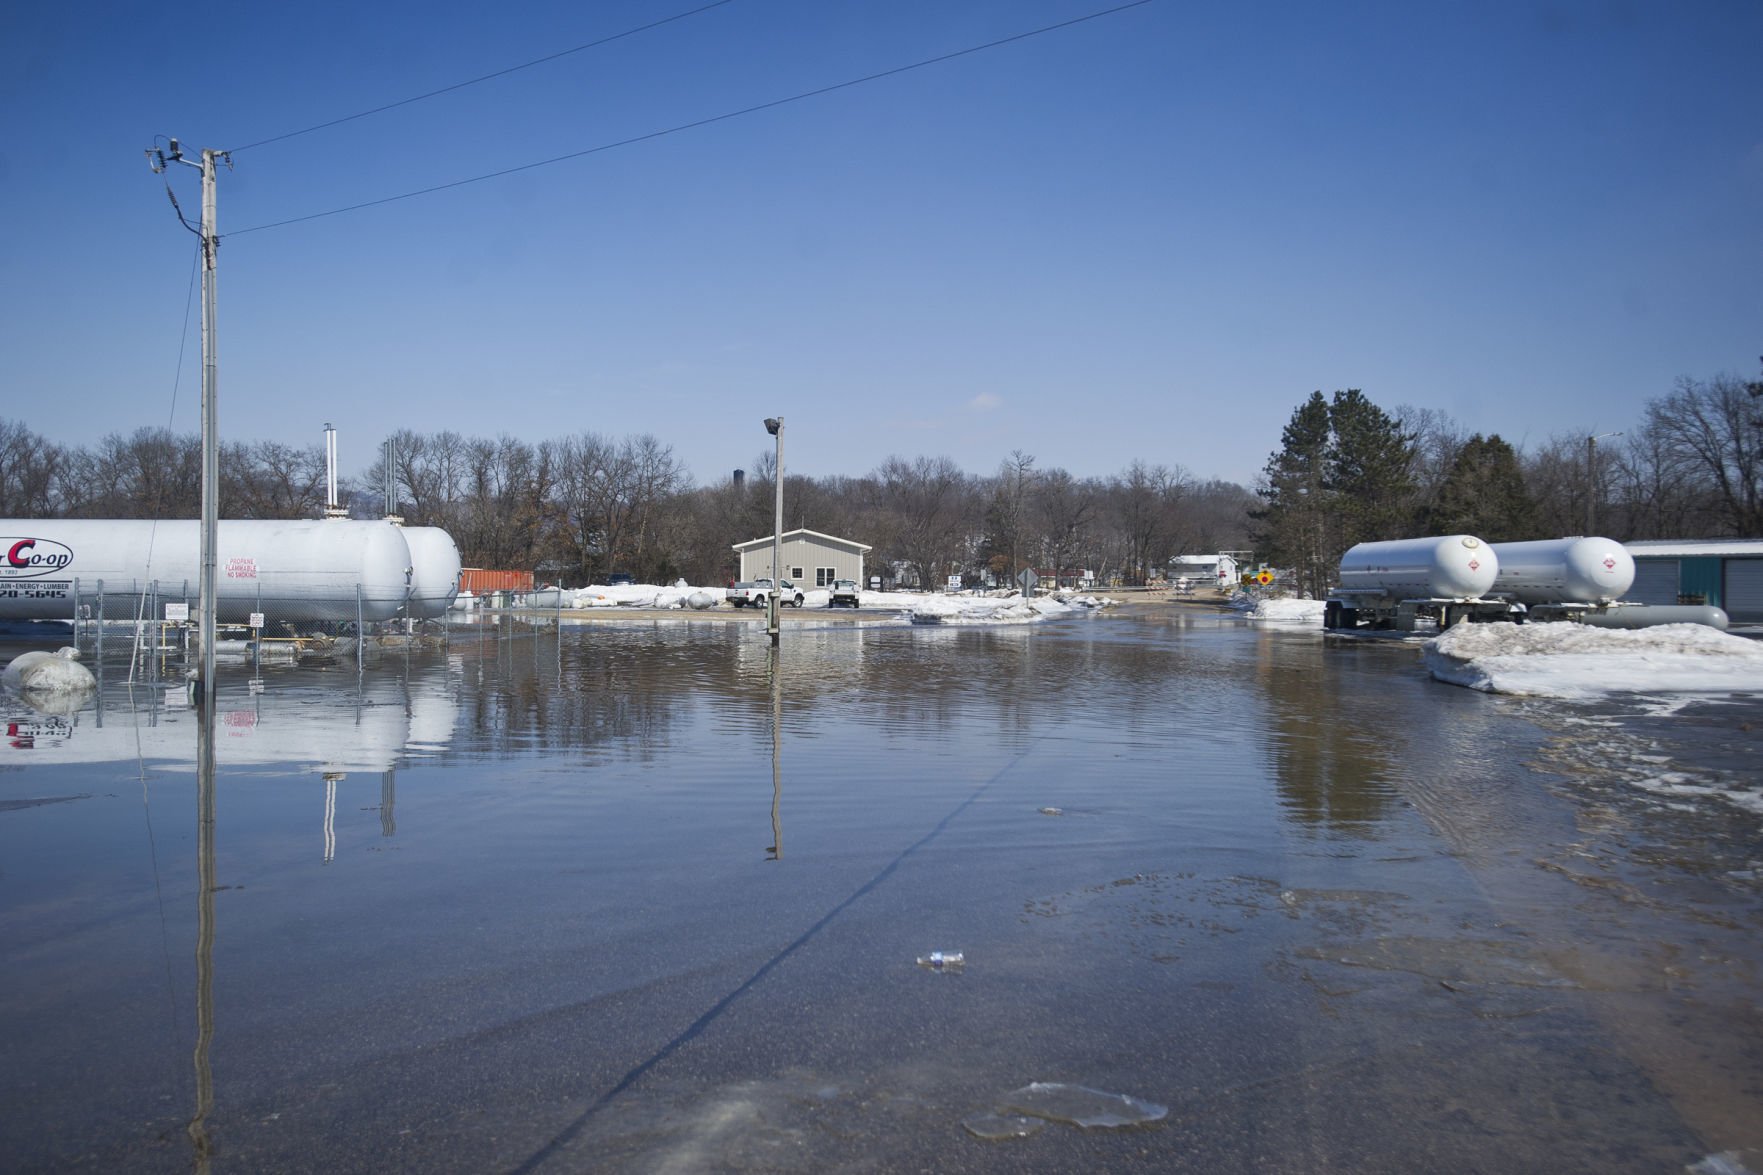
x=775, y=426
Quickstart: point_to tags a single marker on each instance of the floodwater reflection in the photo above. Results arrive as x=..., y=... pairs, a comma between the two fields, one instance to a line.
x=559, y=946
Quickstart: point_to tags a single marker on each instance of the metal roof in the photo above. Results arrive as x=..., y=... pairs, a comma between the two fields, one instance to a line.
x=800, y=533
x=1696, y=548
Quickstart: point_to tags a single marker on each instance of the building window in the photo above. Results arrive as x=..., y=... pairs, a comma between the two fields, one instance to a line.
x=824, y=576
x=796, y=574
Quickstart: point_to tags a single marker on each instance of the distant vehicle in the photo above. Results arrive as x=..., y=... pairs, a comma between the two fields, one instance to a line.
x=844, y=594
x=758, y=592
x=619, y=578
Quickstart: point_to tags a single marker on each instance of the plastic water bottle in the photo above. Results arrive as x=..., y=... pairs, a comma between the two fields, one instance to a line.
x=942, y=961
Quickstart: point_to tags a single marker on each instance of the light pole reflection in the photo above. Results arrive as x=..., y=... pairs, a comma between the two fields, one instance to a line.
x=776, y=849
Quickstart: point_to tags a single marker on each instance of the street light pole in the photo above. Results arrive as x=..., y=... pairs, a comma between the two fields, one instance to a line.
x=775, y=426
x=1591, y=482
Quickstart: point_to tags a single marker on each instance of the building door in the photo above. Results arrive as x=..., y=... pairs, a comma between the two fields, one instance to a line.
x=1744, y=590
x=1655, y=582
x=1700, y=577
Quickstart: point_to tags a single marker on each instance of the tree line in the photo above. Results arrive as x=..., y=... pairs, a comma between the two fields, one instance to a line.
x=1347, y=471
x=576, y=509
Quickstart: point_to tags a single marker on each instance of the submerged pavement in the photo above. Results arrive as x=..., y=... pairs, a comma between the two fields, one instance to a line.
x=643, y=897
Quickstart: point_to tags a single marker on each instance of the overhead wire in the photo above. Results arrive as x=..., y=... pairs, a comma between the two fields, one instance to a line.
x=654, y=24
x=698, y=123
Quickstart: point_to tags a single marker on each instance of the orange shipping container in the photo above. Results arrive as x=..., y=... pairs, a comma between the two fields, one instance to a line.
x=478, y=580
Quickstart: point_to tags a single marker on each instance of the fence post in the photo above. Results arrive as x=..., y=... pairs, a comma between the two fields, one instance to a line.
x=100, y=639
x=360, y=632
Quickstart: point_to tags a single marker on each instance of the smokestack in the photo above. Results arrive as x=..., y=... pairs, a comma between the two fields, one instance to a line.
x=331, y=508
x=740, y=478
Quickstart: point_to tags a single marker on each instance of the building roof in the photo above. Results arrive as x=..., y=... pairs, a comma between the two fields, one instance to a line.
x=751, y=544
x=1694, y=548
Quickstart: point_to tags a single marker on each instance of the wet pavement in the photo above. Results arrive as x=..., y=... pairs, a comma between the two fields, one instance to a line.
x=568, y=899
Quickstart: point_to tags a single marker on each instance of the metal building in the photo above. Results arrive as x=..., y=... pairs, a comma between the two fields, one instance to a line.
x=1727, y=573
x=810, y=558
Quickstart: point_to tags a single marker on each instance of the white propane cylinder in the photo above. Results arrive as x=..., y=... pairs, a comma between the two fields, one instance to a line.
x=1457, y=566
x=434, y=571
x=289, y=570
x=1571, y=570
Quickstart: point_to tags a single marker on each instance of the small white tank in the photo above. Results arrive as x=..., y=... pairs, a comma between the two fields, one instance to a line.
x=434, y=571
x=1457, y=566
x=1571, y=570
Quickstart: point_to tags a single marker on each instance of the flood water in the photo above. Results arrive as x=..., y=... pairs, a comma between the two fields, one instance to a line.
x=638, y=897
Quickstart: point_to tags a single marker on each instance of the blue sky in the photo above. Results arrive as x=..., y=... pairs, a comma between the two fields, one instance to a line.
x=1146, y=236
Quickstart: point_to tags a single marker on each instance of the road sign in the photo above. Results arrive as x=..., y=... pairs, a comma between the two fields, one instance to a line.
x=1264, y=577
x=1027, y=578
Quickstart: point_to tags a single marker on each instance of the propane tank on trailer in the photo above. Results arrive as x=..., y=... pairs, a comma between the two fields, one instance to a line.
x=1569, y=570
x=1458, y=566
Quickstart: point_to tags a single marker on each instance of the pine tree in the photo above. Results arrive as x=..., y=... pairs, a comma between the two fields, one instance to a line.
x=1484, y=495
x=1369, y=478
x=1291, y=526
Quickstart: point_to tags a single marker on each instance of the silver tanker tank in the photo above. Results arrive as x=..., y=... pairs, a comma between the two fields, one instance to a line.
x=434, y=571
x=289, y=570
x=1553, y=571
x=1455, y=567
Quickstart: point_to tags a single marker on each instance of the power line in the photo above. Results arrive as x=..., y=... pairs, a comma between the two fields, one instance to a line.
x=702, y=122
x=485, y=78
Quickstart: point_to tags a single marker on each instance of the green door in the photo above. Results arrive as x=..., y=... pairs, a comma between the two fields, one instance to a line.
x=1700, y=577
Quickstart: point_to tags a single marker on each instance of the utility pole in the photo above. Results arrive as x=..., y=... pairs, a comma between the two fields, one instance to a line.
x=203, y=688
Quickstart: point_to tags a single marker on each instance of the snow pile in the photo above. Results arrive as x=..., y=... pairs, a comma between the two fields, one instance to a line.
x=1566, y=660
x=1287, y=611
x=992, y=610
x=636, y=595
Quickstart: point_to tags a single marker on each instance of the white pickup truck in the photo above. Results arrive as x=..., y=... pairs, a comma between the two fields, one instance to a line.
x=757, y=592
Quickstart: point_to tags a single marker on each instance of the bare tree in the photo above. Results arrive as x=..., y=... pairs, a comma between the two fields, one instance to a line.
x=1711, y=428
x=151, y=473
x=31, y=472
x=1064, y=513
x=926, y=510
x=270, y=479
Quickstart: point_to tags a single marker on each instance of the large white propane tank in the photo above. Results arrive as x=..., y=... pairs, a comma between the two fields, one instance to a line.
x=1454, y=567
x=1570, y=570
x=289, y=570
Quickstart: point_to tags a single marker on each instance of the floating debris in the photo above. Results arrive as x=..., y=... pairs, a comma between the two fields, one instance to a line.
x=1052, y=811
x=994, y=1127
x=1082, y=1106
x=943, y=961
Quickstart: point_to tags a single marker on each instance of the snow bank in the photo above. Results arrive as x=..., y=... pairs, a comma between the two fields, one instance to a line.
x=1566, y=660
x=1287, y=611
x=1013, y=609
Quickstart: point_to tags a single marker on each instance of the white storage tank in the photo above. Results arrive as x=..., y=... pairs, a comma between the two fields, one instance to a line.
x=434, y=571
x=1455, y=567
x=289, y=570
x=1570, y=570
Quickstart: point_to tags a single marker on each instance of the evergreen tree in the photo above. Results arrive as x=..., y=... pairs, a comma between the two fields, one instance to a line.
x=1484, y=495
x=1370, y=479
x=1291, y=525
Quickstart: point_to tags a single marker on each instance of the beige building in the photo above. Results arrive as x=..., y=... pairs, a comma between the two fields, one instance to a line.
x=811, y=559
